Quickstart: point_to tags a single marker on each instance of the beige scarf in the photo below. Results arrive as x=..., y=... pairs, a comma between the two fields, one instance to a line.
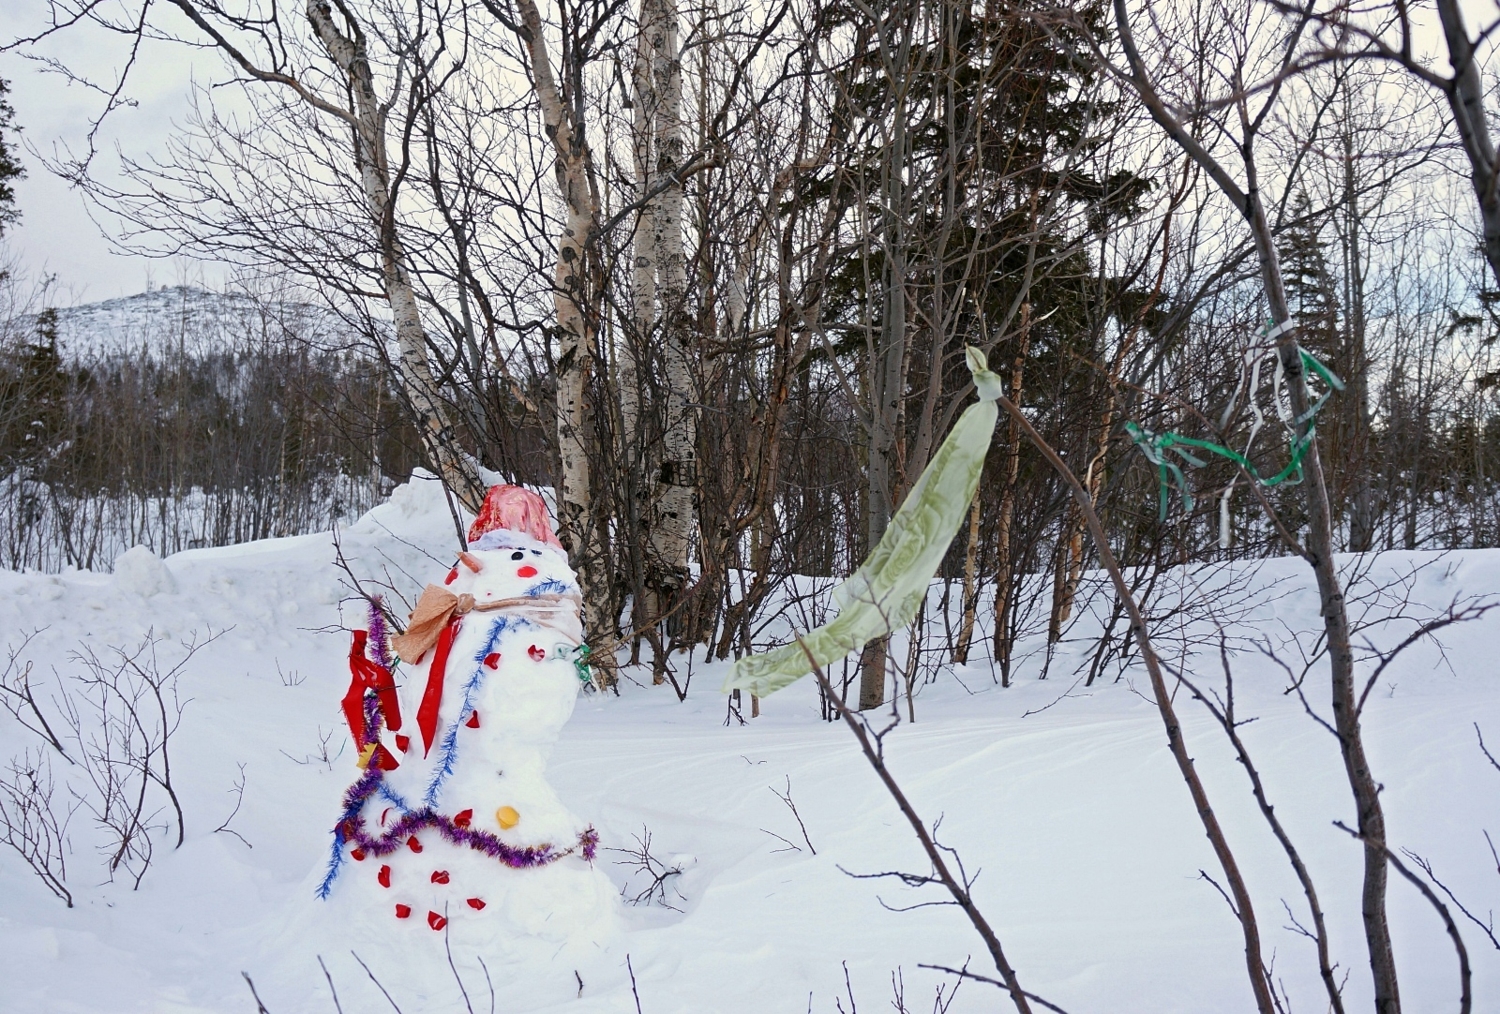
x=438, y=605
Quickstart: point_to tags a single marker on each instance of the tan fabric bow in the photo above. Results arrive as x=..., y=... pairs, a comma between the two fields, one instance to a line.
x=438, y=605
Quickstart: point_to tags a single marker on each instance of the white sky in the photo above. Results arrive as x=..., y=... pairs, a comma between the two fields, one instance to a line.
x=56, y=234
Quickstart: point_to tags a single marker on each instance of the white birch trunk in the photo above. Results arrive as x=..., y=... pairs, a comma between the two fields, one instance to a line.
x=372, y=161
x=571, y=296
x=674, y=512
x=643, y=265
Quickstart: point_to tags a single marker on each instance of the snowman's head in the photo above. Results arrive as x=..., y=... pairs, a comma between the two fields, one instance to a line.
x=512, y=551
x=513, y=572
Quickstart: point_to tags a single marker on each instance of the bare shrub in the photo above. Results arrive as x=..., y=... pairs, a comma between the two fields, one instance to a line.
x=18, y=696
x=650, y=877
x=114, y=724
x=31, y=822
x=122, y=719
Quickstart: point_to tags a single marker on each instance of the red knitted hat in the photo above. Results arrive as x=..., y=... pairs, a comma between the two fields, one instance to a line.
x=513, y=510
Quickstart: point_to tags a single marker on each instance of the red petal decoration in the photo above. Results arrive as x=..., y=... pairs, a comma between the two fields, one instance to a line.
x=492, y=660
x=358, y=855
x=473, y=721
x=537, y=654
x=462, y=818
x=384, y=759
x=385, y=876
x=402, y=743
x=476, y=903
x=436, y=921
x=402, y=911
x=413, y=844
x=439, y=876
x=452, y=576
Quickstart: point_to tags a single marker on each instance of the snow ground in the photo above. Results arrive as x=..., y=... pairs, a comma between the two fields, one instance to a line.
x=1087, y=844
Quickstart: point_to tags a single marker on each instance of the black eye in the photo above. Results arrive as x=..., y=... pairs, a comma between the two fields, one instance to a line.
x=518, y=555
x=536, y=552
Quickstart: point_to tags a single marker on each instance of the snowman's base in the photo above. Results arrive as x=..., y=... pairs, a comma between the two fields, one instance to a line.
x=540, y=932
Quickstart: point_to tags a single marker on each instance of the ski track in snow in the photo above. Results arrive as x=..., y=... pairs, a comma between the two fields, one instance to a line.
x=1075, y=819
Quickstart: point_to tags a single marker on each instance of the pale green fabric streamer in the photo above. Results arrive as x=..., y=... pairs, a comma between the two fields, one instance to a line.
x=888, y=587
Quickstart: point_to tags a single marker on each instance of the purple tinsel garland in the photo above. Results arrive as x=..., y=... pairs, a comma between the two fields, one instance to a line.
x=480, y=841
x=351, y=828
x=380, y=648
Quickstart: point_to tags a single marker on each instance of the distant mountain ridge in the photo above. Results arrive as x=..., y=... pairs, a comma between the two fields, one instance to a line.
x=194, y=321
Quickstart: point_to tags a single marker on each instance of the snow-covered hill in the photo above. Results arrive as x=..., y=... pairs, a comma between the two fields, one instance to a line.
x=195, y=321
x=1061, y=799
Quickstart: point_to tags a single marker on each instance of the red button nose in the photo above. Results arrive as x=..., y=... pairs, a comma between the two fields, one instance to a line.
x=526, y=571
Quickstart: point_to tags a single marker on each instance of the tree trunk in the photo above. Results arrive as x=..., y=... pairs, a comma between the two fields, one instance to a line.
x=673, y=517
x=1319, y=549
x=971, y=585
x=643, y=265
x=372, y=161
x=1356, y=365
x=1366, y=791
x=887, y=356
x=574, y=300
x=1003, y=566
x=1466, y=101
x=885, y=405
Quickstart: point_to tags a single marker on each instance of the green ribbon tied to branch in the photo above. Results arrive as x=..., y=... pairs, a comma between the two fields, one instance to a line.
x=1157, y=446
x=887, y=590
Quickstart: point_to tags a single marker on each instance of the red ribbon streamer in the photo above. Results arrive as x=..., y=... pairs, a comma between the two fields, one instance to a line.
x=427, y=712
x=367, y=675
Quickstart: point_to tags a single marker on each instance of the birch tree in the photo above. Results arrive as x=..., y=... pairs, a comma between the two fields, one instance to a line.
x=576, y=303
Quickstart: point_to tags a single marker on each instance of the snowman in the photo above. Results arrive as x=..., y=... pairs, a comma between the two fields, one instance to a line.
x=452, y=826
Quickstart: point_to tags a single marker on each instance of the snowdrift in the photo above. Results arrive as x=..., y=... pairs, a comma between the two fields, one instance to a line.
x=1061, y=799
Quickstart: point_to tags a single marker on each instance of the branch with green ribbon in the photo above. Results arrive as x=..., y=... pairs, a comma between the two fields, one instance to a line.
x=1158, y=446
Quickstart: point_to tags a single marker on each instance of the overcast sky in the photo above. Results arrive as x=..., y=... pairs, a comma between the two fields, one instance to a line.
x=56, y=233
x=59, y=232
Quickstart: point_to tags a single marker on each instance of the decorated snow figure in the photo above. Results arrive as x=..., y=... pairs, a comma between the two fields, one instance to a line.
x=452, y=825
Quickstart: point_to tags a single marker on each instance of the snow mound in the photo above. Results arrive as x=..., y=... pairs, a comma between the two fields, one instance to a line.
x=1061, y=792
x=138, y=571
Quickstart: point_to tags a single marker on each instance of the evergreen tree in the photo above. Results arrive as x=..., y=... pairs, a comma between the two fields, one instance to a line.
x=1310, y=286
x=10, y=161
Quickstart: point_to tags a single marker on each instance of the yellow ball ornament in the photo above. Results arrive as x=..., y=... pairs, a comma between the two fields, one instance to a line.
x=507, y=817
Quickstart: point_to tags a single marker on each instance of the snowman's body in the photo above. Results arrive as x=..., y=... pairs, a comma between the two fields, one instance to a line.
x=465, y=835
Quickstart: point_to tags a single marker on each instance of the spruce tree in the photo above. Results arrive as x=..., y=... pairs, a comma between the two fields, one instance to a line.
x=10, y=161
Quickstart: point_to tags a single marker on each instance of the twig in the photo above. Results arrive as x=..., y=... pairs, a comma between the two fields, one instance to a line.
x=872, y=750
x=1250, y=929
x=377, y=983
x=239, y=797
x=787, y=799
x=1486, y=928
x=16, y=691
x=1223, y=713
x=1466, y=998
x=633, y=991
x=659, y=872
x=964, y=973
x=1488, y=756
x=448, y=950
x=848, y=989
x=337, y=1008
x=1455, y=615
x=260, y=1008
x=489, y=983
